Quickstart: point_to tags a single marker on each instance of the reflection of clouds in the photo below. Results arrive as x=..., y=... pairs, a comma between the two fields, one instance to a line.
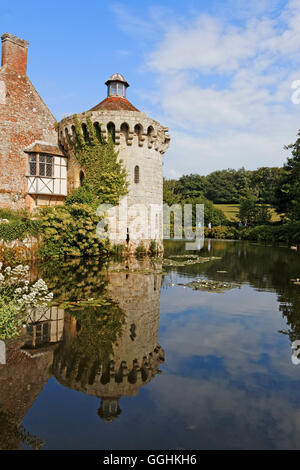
x=222, y=328
x=209, y=408
x=239, y=301
x=256, y=394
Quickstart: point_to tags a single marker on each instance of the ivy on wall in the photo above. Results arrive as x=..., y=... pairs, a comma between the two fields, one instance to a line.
x=105, y=178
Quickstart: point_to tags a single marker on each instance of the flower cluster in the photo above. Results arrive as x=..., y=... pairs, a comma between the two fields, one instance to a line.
x=18, y=297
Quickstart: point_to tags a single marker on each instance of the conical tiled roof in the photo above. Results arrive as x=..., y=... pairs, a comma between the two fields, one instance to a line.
x=114, y=103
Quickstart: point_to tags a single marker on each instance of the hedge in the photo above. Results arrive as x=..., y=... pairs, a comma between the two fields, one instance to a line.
x=286, y=233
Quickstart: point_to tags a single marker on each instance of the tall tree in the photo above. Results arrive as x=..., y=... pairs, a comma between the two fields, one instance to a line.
x=288, y=188
x=190, y=186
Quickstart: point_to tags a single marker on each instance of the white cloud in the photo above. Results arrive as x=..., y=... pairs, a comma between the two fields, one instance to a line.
x=225, y=90
x=223, y=81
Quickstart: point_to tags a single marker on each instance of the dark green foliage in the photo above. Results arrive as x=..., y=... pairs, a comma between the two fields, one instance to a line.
x=153, y=248
x=288, y=188
x=225, y=186
x=263, y=183
x=287, y=233
x=13, y=215
x=117, y=250
x=251, y=213
x=18, y=229
x=141, y=250
x=222, y=232
x=169, y=196
x=190, y=186
x=81, y=195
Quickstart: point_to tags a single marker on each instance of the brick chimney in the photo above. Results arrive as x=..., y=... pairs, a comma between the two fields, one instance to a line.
x=14, y=53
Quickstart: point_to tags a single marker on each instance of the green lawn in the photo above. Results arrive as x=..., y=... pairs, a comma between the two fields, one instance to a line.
x=231, y=211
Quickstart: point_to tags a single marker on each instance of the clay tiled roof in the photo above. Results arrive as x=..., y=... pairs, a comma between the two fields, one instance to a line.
x=114, y=103
x=39, y=147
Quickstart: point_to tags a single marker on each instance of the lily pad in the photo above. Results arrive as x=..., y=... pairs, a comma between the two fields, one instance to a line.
x=188, y=260
x=209, y=285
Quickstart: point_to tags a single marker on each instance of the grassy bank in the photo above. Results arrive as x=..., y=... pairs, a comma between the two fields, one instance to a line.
x=231, y=212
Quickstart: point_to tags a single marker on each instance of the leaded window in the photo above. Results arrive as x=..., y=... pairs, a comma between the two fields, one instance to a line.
x=32, y=164
x=41, y=165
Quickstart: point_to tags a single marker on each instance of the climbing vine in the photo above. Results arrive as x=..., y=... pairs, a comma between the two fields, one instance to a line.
x=105, y=176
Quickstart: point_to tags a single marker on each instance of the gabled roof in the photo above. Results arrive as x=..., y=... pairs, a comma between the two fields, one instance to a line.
x=114, y=103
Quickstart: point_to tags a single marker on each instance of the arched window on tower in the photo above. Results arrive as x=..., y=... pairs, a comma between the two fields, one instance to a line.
x=111, y=129
x=85, y=132
x=74, y=137
x=137, y=174
x=138, y=130
x=81, y=178
x=125, y=130
x=150, y=133
x=98, y=131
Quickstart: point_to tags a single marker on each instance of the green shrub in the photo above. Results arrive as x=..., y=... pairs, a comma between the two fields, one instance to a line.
x=18, y=229
x=11, y=215
x=287, y=233
x=153, y=248
x=252, y=213
x=70, y=230
x=140, y=250
x=10, y=320
x=212, y=214
x=117, y=250
x=13, y=230
x=81, y=195
x=221, y=232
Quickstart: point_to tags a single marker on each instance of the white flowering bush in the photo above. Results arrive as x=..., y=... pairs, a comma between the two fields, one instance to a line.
x=19, y=298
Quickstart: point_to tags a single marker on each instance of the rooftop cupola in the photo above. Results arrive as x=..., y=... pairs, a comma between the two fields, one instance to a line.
x=117, y=86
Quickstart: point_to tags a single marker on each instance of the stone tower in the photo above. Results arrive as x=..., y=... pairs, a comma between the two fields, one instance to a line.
x=141, y=142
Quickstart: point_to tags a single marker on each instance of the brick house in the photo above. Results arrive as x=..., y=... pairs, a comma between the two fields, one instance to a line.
x=33, y=167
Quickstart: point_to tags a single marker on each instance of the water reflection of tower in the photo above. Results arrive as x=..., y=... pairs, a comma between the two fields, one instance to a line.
x=135, y=354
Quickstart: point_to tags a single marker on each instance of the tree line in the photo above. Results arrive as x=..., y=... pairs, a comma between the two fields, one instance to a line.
x=226, y=186
x=254, y=191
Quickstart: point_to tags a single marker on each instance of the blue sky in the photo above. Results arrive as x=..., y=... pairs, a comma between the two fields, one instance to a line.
x=218, y=73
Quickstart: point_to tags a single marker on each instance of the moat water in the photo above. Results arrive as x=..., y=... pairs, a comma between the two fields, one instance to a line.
x=132, y=358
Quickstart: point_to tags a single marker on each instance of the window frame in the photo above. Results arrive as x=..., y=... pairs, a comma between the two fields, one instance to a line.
x=41, y=159
x=137, y=174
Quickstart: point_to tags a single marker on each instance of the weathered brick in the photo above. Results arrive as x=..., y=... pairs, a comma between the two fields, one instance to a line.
x=24, y=118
